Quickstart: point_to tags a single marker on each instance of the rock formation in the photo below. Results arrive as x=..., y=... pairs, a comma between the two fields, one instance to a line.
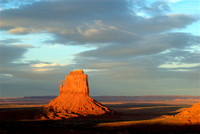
x=189, y=116
x=74, y=99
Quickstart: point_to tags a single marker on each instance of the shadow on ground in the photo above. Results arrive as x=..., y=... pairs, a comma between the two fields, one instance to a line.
x=89, y=126
x=144, y=111
x=24, y=120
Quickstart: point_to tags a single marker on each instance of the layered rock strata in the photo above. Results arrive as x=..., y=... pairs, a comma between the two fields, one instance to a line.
x=74, y=99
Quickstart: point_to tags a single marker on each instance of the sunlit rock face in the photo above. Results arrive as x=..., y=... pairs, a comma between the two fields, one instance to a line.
x=75, y=83
x=190, y=115
x=74, y=99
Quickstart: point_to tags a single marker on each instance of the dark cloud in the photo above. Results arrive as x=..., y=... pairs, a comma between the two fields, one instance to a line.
x=165, y=23
x=9, y=53
x=144, y=46
x=10, y=41
x=181, y=55
x=137, y=73
x=25, y=87
x=155, y=8
x=140, y=75
x=80, y=22
x=19, y=78
x=11, y=63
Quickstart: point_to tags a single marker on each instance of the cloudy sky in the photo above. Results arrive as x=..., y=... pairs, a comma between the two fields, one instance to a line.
x=127, y=47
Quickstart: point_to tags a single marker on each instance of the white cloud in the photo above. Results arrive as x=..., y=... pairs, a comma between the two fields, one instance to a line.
x=42, y=69
x=181, y=70
x=5, y=76
x=40, y=65
x=193, y=49
x=179, y=65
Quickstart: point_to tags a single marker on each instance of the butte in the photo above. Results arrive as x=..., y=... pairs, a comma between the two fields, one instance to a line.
x=74, y=99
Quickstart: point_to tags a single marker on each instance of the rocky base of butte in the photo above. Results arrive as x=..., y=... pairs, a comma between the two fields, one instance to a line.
x=74, y=99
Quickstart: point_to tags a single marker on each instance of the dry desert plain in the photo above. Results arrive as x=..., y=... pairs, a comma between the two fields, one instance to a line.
x=134, y=114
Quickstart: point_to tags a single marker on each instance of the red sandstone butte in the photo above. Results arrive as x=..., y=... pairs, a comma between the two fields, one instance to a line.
x=74, y=99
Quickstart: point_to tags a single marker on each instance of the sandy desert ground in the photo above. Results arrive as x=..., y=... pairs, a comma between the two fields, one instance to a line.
x=130, y=118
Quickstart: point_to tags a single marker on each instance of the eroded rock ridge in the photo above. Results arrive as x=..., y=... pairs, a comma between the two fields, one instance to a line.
x=189, y=116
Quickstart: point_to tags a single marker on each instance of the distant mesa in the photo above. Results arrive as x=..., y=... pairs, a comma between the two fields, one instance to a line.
x=74, y=99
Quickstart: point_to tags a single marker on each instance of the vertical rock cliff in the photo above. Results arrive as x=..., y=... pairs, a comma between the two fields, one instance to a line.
x=75, y=83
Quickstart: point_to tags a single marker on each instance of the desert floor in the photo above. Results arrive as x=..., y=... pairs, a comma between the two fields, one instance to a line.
x=129, y=118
